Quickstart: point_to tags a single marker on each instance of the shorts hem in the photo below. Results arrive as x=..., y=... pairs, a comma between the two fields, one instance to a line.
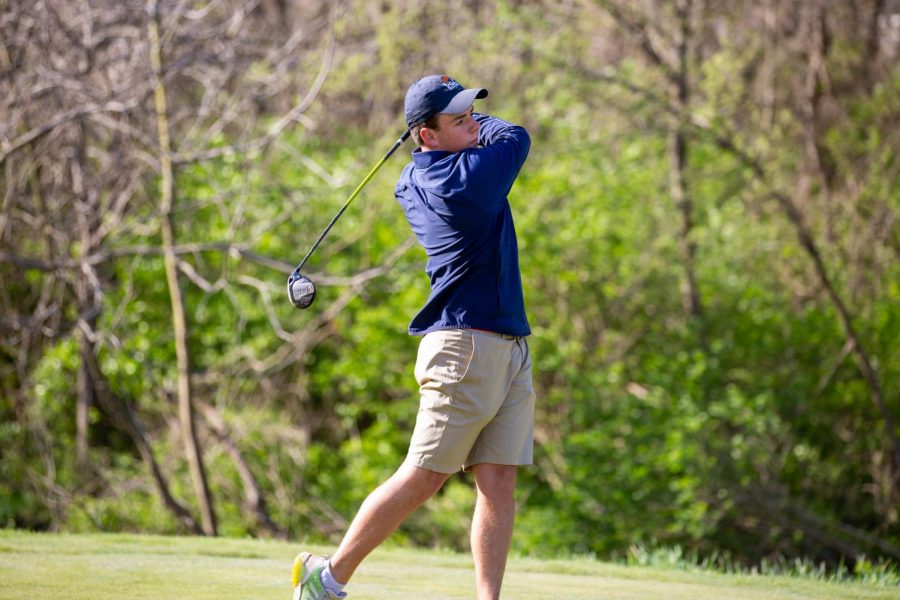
x=432, y=465
x=517, y=462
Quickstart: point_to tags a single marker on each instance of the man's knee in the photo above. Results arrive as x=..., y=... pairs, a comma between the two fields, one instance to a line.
x=422, y=482
x=495, y=480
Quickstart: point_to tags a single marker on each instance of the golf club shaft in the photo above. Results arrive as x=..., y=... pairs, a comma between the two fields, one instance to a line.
x=352, y=197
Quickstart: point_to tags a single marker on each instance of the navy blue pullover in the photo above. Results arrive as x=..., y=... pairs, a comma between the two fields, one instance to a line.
x=456, y=204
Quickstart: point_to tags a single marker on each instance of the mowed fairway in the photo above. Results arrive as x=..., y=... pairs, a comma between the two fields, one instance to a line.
x=111, y=566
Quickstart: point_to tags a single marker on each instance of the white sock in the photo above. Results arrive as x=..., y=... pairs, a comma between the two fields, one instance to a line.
x=331, y=584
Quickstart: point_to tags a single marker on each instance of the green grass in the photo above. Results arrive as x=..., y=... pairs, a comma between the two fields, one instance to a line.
x=110, y=566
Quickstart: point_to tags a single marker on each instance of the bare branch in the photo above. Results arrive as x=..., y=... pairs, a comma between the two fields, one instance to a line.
x=295, y=115
x=645, y=34
x=113, y=106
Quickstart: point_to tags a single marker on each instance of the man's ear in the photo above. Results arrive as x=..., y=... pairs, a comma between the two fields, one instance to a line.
x=428, y=137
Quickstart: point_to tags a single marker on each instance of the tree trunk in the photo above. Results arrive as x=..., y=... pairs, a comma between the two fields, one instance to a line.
x=870, y=58
x=83, y=408
x=677, y=153
x=193, y=450
x=677, y=156
x=88, y=294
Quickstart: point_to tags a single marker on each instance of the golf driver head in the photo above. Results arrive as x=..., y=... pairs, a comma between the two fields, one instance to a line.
x=301, y=290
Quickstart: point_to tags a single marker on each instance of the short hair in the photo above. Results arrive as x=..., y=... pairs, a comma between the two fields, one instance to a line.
x=431, y=123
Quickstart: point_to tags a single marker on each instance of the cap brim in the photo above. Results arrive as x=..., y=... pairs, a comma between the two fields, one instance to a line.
x=463, y=100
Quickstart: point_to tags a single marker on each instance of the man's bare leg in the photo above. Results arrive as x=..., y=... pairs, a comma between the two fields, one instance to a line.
x=492, y=526
x=381, y=513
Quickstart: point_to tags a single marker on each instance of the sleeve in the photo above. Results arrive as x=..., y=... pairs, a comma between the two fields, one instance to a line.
x=492, y=169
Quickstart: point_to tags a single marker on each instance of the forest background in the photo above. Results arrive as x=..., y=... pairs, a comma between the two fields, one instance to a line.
x=708, y=240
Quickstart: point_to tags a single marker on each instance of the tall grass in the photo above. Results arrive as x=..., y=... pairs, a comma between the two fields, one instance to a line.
x=881, y=573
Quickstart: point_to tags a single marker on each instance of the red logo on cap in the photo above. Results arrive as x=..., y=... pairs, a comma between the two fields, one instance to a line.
x=448, y=82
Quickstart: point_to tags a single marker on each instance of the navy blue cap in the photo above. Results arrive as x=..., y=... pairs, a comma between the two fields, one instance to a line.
x=438, y=94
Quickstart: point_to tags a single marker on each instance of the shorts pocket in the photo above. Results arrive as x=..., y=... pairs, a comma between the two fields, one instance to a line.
x=444, y=356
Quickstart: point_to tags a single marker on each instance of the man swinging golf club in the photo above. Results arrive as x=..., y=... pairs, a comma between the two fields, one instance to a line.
x=473, y=367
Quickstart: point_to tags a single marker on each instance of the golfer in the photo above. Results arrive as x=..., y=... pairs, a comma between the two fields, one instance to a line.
x=476, y=407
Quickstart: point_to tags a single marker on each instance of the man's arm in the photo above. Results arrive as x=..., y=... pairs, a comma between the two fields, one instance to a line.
x=492, y=169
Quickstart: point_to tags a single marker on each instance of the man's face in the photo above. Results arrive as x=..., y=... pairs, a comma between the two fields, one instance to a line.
x=455, y=132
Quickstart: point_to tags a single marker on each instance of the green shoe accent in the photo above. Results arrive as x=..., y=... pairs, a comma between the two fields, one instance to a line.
x=313, y=589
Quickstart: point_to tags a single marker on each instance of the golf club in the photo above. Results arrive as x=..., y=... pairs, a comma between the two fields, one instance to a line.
x=301, y=289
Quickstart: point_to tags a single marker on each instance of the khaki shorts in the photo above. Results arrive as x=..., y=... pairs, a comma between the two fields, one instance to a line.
x=476, y=401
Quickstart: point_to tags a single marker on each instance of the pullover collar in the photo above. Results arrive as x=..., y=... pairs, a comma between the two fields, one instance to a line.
x=423, y=160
